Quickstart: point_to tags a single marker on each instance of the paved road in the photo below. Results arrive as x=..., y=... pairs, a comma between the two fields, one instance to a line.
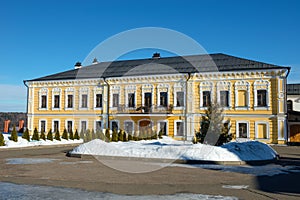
x=53, y=168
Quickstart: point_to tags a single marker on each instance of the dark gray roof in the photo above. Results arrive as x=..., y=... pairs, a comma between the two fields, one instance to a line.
x=293, y=89
x=168, y=65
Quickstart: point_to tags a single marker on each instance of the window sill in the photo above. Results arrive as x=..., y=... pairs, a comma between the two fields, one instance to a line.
x=98, y=108
x=69, y=108
x=242, y=108
x=55, y=108
x=261, y=107
x=43, y=108
x=179, y=108
x=83, y=108
x=242, y=139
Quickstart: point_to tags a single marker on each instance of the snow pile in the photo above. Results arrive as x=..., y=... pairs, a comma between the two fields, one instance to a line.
x=167, y=148
x=24, y=143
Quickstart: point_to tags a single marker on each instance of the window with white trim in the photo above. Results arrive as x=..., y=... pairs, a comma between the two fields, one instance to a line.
x=205, y=91
x=131, y=100
x=130, y=96
x=242, y=130
x=179, y=95
x=163, y=95
x=261, y=94
x=43, y=126
x=179, y=128
x=69, y=98
x=115, y=93
x=114, y=125
x=55, y=126
x=98, y=126
x=98, y=101
x=56, y=94
x=242, y=95
x=224, y=98
x=98, y=98
x=128, y=127
x=83, y=98
x=43, y=96
x=162, y=127
x=261, y=130
x=69, y=126
x=83, y=126
x=224, y=91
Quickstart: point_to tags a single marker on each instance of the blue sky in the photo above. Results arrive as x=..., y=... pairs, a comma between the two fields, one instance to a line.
x=44, y=37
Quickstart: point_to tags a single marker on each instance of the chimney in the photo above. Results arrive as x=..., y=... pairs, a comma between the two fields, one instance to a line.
x=78, y=65
x=156, y=55
x=95, y=61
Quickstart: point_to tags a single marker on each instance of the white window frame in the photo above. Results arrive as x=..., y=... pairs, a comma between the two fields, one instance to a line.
x=147, y=88
x=237, y=130
x=131, y=121
x=244, y=86
x=56, y=91
x=43, y=91
x=256, y=130
x=66, y=124
x=84, y=91
x=175, y=129
x=115, y=120
x=205, y=86
x=163, y=88
x=262, y=85
x=59, y=125
x=69, y=91
x=40, y=123
x=167, y=128
x=179, y=87
x=114, y=89
x=95, y=124
x=224, y=86
x=98, y=90
x=80, y=124
x=130, y=89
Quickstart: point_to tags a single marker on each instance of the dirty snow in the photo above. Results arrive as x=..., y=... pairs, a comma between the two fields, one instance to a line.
x=168, y=148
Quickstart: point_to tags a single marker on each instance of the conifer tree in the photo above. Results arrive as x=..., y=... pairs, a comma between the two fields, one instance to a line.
x=120, y=135
x=212, y=130
x=65, y=135
x=114, y=136
x=76, y=135
x=71, y=135
x=93, y=134
x=81, y=134
x=50, y=135
x=14, y=135
x=107, y=135
x=124, y=136
x=43, y=136
x=130, y=137
x=154, y=135
x=35, y=135
x=149, y=133
x=160, y=133
x=25, y=135
x=57, y=135
x=2, y=142
x=87, y=136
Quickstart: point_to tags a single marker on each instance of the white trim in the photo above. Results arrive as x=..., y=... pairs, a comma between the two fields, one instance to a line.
x=84, y=91
x=43, y=91
x=267, y=127
x=39, y=128
x=59, y=125
x=131, y=121
x=175, y=128
x=95, y=125
x=224, y=86
x=262, y=85
x=66, y=124
x=80, y=124
x=98, y=90
x=69, y=91
x=237, y=130
x=205, y=86
x=56, y=91
x=128, y=90
x=118, y=123
x=163, y=88
x=167, y=126
x=147, y=88
x=244, y=86
x=114, y=89
x=179, y=87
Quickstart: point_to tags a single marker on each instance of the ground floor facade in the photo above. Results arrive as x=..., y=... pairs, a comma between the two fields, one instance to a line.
x=264, y=128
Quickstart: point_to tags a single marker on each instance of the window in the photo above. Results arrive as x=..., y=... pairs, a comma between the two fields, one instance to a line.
x=128, y=126
x=69, y=126
x=114, y=125
x=98, y=100
x=179, y=129
x=84, y=101
x=131, y=100
x=70, y=101
x=224, y=100
x=115, y=100
x=83, y=126
x=56, y=101
x=148, y=99
x=55, y=126
x=98, y=126
x=44, y=101
x=179, y=99
x=262, y=131
x=163, y=128
x=243, y=130
x=163, y=101
x=289, y=105
x=206, y=98
x=43, y=126
x=261, y=97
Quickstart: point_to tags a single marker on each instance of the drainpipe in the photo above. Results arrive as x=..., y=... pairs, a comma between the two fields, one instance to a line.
x=186, y=106
x=107, y=105
x=24, y=82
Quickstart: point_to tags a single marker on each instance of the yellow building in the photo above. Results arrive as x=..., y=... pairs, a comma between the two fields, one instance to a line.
x=169, y=94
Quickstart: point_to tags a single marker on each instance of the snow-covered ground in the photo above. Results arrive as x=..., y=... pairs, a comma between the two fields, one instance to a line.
x=167, y=148
x=24, y=143
x=28, y=192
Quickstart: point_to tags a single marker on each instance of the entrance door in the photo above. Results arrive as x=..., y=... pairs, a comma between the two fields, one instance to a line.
x=145, y=127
